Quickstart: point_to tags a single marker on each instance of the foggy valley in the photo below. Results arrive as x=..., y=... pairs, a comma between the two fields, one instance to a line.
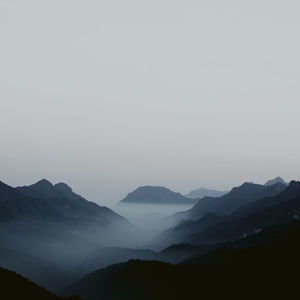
x=149, y=150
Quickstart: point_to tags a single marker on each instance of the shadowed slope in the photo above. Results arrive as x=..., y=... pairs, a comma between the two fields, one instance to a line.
x=16, y=287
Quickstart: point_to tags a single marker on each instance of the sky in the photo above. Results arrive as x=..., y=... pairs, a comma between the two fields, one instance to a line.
x=110, y=95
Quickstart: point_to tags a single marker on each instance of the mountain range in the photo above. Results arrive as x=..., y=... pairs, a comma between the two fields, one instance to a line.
x=186, y=231
x=60, y=241
x=51, y=221
x=237, y=197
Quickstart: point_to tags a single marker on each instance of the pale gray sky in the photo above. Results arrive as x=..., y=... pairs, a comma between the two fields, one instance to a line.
x=109, y=95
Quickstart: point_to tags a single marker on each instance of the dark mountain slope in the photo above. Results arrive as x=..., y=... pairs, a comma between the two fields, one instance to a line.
x=281, y=213
x=268, y=236
x=237, y=197
x=16, y=287
x=156, y=195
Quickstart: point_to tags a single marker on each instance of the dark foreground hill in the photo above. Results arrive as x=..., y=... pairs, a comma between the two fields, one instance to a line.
x=156, y=195
x=262, y=272
x=16, y=287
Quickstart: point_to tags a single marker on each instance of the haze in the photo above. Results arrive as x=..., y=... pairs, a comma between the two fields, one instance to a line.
x=110, y=95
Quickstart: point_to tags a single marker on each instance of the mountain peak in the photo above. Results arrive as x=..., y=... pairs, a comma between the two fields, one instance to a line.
x=275, y=180
x=43, y=183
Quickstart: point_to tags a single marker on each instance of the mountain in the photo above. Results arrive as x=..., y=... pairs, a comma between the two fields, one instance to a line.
x=14, y=286
x=275, y=180
x=45, y=189
x=204, y=192
x=263, y=272
x=179, y=232
x=236, y=198
x=156, y=195
x=267, y=236
x=53, y=222
x=281, y=209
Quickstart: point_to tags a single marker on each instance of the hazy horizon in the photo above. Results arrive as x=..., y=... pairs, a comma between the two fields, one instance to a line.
x=107, y=96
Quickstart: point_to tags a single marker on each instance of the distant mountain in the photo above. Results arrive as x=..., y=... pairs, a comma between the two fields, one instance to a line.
x=156, y=195
x=236, y=198
x=281, y=209
x=275, y=180
x=204, y=192
x=264, y=272
x=53, y=222
x=179, y=232
x=45, y=188
x=14, y=286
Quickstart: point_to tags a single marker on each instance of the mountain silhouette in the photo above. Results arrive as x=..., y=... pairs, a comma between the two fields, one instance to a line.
x=264, y=213
x=45, y=188
x=178, y=233
x=236, y=198
x=156, y=195
x=14, y=286
x=51, y=221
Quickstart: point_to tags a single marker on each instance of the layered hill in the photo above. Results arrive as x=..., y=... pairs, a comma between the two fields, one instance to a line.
x=264, y=213
x=16, y=287
x=236, y=198
x=186, y=230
